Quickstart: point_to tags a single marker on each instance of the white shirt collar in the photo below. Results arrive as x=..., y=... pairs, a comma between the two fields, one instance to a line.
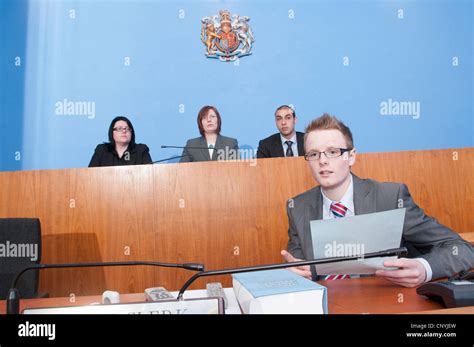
x=294, y=146
x=284, y=139
x=347, y=200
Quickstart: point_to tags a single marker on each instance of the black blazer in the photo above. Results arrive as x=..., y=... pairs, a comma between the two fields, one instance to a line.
x=271, y=146
x=105, y=156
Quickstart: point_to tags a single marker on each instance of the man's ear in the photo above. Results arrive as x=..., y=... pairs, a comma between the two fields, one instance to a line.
x=352, y=157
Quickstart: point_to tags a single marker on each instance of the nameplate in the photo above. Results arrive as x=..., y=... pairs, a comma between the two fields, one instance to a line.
x=188, y=306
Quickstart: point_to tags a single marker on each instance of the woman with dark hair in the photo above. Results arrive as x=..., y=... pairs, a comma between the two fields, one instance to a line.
x=121, y=148
x=211, y=145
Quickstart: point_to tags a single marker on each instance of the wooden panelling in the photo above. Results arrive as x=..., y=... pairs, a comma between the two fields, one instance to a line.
x=222, y=214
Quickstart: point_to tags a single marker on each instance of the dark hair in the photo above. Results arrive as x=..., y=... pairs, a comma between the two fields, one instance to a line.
x=328, y=122
x=111, y=132
x=203, y=113
x=286, y=106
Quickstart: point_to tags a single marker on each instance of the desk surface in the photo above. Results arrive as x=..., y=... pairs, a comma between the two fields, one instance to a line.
x=377, y=295
x=358, y=296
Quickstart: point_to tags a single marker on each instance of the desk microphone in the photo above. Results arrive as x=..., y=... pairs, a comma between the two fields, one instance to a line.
x=188, y=147
x=385, y=253
x=163, y=160
x=13, y=299
x=181, y=156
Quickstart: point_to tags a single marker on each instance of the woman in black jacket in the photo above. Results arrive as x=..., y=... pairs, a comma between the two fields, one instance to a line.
x=121, y=148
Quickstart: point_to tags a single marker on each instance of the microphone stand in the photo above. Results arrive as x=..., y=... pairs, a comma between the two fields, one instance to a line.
x=162, y=160
x=188, y=147
x=13, y=299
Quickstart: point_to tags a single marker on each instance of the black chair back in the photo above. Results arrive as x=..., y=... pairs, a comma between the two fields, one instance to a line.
x=20, y=246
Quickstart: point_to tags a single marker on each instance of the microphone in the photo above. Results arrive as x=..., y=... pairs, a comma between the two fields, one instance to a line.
x=185, y=155
x=181, y=156
x=175, y=157
x=385, y=253
x=188, y=147
x=13, y=299
x=165, y=146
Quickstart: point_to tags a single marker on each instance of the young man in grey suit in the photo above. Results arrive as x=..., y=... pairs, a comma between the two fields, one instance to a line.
x=288, y=142
x=434, y=250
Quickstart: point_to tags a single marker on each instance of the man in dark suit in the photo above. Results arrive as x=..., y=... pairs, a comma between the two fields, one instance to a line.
x=434, y=251
x=286, y=143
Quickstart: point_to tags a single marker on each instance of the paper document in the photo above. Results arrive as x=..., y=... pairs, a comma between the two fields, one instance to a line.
x=356, y=235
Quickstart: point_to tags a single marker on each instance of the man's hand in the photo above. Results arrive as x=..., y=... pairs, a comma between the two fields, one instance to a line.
x=411, y=272
x=300, y=270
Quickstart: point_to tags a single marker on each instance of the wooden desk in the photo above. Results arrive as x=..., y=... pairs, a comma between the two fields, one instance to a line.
x=376, y=295
x=468, y=237
x=221, y=214
x=354, y=296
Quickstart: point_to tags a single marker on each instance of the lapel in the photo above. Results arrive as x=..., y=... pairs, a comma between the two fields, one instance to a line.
x=314, y=208
x=203, y=149
x=278, y=146
x=300, y=140
x=364, y=198
x=216, y=147
x=313, y=211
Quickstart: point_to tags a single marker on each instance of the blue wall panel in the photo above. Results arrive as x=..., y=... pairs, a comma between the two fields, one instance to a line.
x=403, y=51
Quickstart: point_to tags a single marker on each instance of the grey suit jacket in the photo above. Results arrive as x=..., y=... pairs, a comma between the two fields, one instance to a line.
x=446, y=252
x=226, y=148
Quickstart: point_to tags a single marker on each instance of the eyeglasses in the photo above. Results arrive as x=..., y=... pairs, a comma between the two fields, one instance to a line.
x=209, y=116
x=329, y=153
x=121, y=129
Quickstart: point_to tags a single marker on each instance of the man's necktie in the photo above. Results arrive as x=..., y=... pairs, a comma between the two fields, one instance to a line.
x=339, y=211
x=289, y=150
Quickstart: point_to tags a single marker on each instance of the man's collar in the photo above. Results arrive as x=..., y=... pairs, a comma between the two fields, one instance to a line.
x=292, y=139
x=347, y=199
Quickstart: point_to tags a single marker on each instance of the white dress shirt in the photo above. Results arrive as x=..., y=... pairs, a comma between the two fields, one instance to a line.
x=294, y=146
x=211, y=147
x=347, y=200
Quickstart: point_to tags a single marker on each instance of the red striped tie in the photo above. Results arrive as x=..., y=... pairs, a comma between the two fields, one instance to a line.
x=337, y=277
x=339, y=211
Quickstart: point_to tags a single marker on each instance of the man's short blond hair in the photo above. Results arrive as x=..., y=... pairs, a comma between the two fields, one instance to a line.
x=328, y=122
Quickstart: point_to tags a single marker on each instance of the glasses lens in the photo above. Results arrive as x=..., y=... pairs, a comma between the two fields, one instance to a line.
x=120, y=129
x=333, y=152
x=312, y=156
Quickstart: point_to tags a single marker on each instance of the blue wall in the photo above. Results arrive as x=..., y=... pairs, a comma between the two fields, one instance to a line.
x=298, y=58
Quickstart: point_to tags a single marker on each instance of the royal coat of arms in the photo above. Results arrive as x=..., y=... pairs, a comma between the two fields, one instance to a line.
x=226, y=36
